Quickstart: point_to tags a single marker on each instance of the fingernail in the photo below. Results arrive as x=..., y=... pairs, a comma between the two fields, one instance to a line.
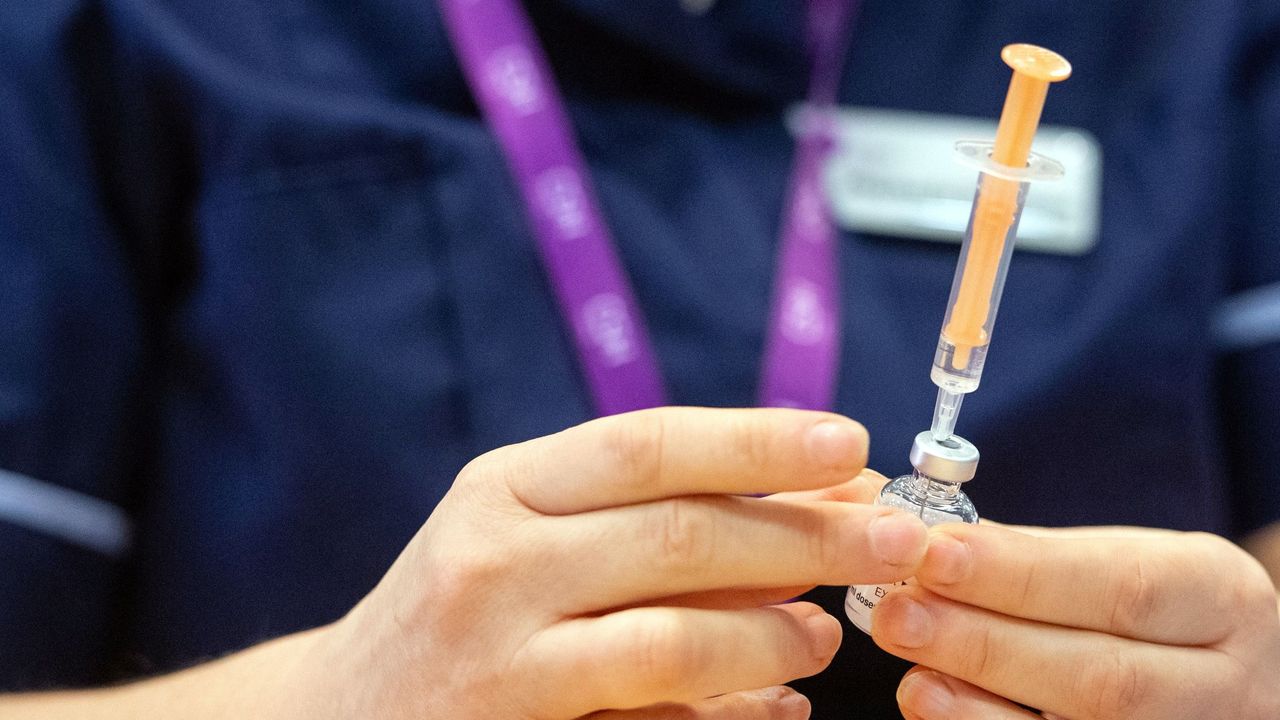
x=947, y=561
x=902, y=621
x=897, y=538
x=824, y=635
x=782, y=702
x=837, y=443
x=926, y=694
x=794, y=706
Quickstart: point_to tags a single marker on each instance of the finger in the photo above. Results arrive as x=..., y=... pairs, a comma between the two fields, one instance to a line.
x=775, y=703
x=926, y=694
x=1159, y=588
x=1071, y=672
x=733, y=598
x=862, y=489
x=636, y=658
x=1088, y=531
x=674, y=547
x=669, y=452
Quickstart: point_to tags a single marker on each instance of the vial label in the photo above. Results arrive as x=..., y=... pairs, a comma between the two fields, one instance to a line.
x=861, y=600
x=935, y=502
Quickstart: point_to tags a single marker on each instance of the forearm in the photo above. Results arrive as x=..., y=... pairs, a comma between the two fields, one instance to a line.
x=278, y=680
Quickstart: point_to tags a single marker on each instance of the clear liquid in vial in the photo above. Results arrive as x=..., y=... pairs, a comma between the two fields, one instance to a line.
x=935, y=502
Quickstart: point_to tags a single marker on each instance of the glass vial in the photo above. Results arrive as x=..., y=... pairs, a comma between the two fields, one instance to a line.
x=931, y=492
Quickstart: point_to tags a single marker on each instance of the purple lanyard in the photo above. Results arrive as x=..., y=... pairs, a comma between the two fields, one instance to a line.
x=512, y=83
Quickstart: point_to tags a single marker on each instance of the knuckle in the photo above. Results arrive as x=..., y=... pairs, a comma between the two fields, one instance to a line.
x=1252, y=588
x=752, y=440
x=477, y=569
x=664, y=653
x=685, y=534
x=634, y=444
x=1027, y=582
x=827, y=544
x=977, y=659
x=1113, y=687
x=1134, y=597
x=455, y=582
x=1253, y=597
x=1257, y=588
x=509, y=468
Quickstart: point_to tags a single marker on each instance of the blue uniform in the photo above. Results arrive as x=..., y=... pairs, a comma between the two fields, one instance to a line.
x=267, y=286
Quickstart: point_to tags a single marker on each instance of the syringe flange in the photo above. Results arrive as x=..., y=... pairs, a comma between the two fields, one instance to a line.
x=978, y=155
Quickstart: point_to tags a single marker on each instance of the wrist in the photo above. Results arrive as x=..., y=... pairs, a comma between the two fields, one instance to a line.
x=306, y=683
x=283, y=679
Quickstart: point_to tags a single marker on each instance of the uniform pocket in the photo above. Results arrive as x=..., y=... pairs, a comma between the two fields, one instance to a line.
x=322, y=311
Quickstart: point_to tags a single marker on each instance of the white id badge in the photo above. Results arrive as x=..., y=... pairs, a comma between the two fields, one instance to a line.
x=894, y=173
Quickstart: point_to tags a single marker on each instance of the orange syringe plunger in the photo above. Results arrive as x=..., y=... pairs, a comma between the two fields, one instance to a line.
x=985, y=257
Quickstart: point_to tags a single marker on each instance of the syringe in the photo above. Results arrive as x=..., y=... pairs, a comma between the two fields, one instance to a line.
x=1006, y=169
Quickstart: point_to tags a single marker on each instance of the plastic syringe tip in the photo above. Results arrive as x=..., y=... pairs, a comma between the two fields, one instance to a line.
x=945, y=413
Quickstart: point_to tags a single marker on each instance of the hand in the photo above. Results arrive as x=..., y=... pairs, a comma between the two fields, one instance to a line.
x=1086, y=624
x=616, y=570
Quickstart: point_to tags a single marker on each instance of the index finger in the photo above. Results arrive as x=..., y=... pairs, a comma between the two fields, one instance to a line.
x=670, y=452
x=1163, y=588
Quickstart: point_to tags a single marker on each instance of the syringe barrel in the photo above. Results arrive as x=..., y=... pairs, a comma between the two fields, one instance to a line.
x=1006, y=169
x=979, y=283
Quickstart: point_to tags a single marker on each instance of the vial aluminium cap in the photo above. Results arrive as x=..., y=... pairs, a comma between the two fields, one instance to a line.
x=952, y=460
